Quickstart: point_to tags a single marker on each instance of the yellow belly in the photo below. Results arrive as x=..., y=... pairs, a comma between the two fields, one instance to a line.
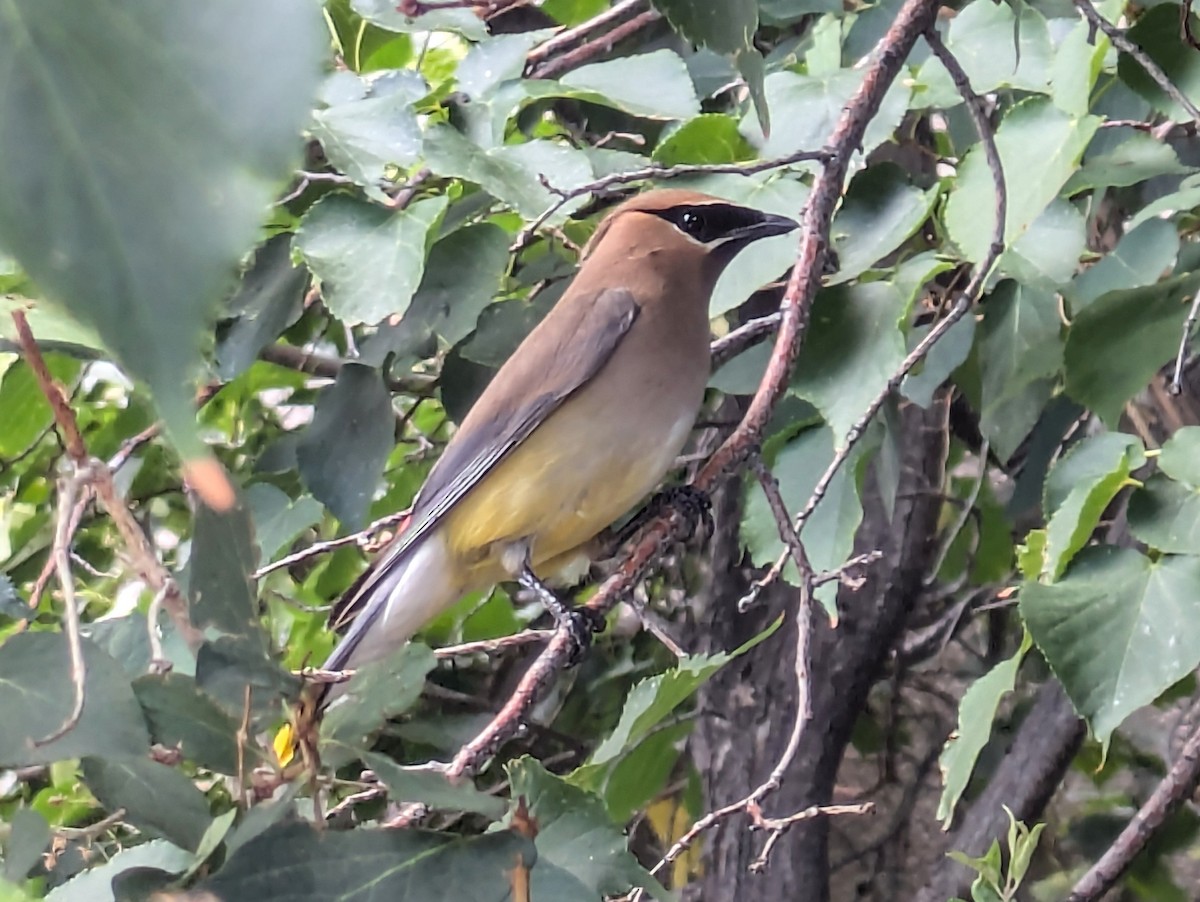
x=557, y=490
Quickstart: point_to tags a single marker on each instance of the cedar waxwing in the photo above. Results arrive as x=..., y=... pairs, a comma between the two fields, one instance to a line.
x=580, y=423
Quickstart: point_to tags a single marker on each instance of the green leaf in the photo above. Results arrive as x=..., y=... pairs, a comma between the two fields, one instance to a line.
x=852, y=348
x=277, y=518
x=1117, y=630
x=263, y=816
x=1180, y=457
x=231, y=669
x=1040, y=147
x=653, y=699
x=880, y=211
x=180, y=715
x=641, y=775
x=653, y=84
x=297, y=863
x=369, y=259
x=807, y=108
x=1019, y=345
x=708, y=138
x=1138, y=158
x=943, y=359
x=380, y=690
x=26, y=842
x=490, y=63
x=1000, y=50
x=147, y=165
x=1180, y=201
x=385, y=14
x=343, y=451
x=27, y=413
x=95, y=885
x=1139, y=326
x=462, y=276
x=976, y=712
x=581, y=855
x=415, y=784
x=218, y=575
x=53, y=327
x=269, y=299
x=1142, y=257
x=1089, y=463
x=726, y=28
x=1048, y=253
x=1078, y=490
x=1031, y=557
x=1075, y=67
x=372, y=138
x=36, y=697
x=510, y=173
x=1156, y=32
x=156, y=798
x=1165, y=514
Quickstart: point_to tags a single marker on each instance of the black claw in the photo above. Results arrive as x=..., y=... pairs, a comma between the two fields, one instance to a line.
x=581, y=624
x=690, y=501
x=694, y=504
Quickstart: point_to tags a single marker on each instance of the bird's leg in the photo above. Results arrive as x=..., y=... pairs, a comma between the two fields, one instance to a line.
x=690, y=501
x=580, y=623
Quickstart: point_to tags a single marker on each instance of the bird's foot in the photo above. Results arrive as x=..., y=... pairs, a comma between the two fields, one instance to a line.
x=693, y=503
x=580, y=623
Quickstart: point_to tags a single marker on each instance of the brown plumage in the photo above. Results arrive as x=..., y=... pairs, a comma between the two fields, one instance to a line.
x=576, y=428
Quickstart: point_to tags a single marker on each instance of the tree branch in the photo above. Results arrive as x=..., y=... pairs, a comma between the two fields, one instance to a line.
x=1121, y=41
x=964, y=303
x=1176, y=788
x=99, y=477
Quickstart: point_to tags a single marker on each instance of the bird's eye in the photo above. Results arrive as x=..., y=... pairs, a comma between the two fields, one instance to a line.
x=693, y=223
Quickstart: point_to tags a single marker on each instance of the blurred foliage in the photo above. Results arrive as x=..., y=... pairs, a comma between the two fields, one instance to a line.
x=325, y=364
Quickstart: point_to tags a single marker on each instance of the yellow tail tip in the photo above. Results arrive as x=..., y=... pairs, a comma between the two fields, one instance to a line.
x=285, y=745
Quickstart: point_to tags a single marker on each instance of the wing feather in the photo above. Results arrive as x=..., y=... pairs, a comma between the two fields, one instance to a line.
x=561, y=356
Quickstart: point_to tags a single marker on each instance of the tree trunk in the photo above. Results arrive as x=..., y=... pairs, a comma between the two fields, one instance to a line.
x=746, y=711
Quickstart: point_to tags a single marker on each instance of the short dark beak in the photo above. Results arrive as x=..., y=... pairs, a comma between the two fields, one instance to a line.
x=769, y=225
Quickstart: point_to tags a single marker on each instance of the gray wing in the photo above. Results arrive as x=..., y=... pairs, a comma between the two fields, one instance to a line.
x=570, y=351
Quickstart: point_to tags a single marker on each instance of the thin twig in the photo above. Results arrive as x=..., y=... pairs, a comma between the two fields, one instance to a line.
x=783, y=523
x=141, y=553
x=1121, y=41
x=564, y=196
x=1176, y=385
x=39, y=585
x=1176, y=788
x=596, y=46
x=780, y=825
x=490, y=646
x=326, y=366
x=742, y=338
x=91, y=831
x=242, y=736
x=362, y=537
x=317, y=675
x=68, y=485
x=964, y=515
x=130, y=446
x=158, y=659
x=571, y=36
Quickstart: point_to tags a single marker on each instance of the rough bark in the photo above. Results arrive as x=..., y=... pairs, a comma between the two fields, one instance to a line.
x=745, y=712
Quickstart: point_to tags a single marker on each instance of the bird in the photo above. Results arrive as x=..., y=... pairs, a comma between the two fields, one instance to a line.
x=580, y=424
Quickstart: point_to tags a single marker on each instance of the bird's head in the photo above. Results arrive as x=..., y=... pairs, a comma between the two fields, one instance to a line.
x=683, y=228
